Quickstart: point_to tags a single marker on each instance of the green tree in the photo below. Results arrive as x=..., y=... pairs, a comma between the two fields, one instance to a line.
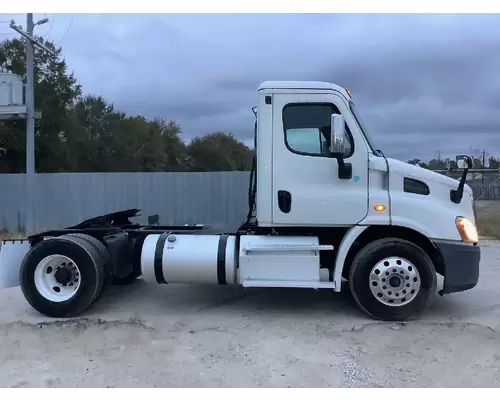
x=56, y=91
x=105, y=140
x=418, y=162
x=218, y=152
x=87, y=134
x=494, y=163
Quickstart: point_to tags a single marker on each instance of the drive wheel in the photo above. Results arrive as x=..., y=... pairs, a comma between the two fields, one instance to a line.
x=392, y=279
x=101, y=251
x=62, y=276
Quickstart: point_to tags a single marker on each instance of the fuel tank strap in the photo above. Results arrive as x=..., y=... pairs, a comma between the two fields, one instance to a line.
x=158, y=259
x=221, y=260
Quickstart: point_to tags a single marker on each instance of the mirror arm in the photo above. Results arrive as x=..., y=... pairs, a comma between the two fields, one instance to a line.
x=345, y=169
x=457, y=195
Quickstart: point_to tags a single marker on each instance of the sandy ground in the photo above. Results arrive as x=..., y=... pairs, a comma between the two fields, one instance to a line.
x=199, y=336
x=488, y=207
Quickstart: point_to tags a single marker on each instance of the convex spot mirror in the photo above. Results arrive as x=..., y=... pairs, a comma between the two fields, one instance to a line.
x=464, y=162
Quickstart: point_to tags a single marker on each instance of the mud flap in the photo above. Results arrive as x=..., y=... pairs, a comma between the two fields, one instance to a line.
x=12, y=253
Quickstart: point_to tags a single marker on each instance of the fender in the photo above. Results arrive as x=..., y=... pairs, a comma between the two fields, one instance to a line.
x=345, y=245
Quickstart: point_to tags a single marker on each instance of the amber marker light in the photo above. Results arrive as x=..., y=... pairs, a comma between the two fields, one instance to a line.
x=467, y=230
x=349, y=93
x=379, y=207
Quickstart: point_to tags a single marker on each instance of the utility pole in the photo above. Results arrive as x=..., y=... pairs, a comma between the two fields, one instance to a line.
x=30, y=130
x=484, y=166
x=30, y=116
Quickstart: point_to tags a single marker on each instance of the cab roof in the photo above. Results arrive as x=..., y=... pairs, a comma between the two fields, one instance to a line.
x=314, y=85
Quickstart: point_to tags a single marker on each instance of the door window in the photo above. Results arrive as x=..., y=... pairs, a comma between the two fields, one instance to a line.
x=307, y=129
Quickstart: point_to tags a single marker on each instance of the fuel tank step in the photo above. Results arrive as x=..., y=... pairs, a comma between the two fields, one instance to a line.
x=289, y=284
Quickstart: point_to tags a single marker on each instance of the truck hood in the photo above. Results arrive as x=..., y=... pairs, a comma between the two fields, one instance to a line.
x=413, y=171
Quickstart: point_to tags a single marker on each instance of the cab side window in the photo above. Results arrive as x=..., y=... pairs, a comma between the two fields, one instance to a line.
x=307, y=129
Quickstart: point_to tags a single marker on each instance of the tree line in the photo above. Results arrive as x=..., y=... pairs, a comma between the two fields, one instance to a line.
x=85, y=133
x=440, y=163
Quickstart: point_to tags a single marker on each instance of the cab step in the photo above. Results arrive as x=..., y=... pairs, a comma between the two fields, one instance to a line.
x=289, y=284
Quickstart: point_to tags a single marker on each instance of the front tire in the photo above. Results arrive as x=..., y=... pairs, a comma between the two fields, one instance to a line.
x=392, y=279
x=61, y=277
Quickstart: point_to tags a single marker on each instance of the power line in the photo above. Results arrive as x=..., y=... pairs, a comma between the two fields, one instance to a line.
x=67, y=30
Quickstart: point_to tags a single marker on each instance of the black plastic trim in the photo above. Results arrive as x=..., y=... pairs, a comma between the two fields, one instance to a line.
x=461, y=265
x=415, y=186
x=121, y=250
x=221, y=260
x=158, y=259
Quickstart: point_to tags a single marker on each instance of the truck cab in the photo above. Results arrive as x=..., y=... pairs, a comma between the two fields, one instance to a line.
x=301, y=182
x=320, y=173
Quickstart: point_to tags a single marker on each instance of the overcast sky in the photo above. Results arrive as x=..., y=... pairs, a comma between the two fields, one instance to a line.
x=421, y=82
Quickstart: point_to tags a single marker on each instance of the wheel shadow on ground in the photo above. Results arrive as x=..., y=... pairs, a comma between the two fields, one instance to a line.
x=192, y=298
x=183, y=299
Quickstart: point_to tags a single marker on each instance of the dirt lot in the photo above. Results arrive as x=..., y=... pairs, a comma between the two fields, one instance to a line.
x=199, y=336
x=488, y=218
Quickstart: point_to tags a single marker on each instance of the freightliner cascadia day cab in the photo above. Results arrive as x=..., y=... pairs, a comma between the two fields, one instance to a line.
x=325, y=205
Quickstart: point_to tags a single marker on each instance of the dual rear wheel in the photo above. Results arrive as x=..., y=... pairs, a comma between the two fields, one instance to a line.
x=63, y=276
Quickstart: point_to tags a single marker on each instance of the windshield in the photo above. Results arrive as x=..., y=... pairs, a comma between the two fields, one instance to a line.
x=368, y=138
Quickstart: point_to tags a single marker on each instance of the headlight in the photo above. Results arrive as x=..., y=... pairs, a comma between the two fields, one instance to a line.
x=467, y=230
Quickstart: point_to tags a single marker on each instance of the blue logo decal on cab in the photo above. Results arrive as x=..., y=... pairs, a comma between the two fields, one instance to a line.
x=356, y=179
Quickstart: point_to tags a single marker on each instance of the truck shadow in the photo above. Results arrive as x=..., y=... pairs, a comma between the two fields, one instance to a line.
x=189, y=298
x=186, y=299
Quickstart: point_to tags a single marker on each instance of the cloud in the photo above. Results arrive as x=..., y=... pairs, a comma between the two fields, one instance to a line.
x=422, y=82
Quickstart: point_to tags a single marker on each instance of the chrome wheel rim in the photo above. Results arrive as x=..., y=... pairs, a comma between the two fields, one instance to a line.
x=394, y=281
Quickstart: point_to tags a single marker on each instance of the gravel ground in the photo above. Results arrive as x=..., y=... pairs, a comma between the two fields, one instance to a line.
x=205, y=336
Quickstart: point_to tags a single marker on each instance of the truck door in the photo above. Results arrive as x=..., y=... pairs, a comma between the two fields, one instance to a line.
x=307, y=190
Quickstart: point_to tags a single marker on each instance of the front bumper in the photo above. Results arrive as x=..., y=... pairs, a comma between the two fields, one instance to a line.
x=461, y=265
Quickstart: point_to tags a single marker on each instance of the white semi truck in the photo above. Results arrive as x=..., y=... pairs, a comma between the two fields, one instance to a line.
x=324, y=205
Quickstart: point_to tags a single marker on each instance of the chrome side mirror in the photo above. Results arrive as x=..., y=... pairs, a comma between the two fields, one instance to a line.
x=337, y=130
x=337, y=145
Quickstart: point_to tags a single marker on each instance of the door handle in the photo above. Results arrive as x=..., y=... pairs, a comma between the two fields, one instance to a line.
x=284, y=201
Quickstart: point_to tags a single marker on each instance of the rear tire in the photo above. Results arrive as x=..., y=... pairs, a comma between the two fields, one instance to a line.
x=49, y=293
x=392, y=279
x=102, y=252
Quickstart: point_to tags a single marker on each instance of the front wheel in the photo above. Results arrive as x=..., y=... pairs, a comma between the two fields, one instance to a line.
x=392, y=279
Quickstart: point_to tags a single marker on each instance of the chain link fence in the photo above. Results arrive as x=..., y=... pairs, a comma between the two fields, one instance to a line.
x=485, y=182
